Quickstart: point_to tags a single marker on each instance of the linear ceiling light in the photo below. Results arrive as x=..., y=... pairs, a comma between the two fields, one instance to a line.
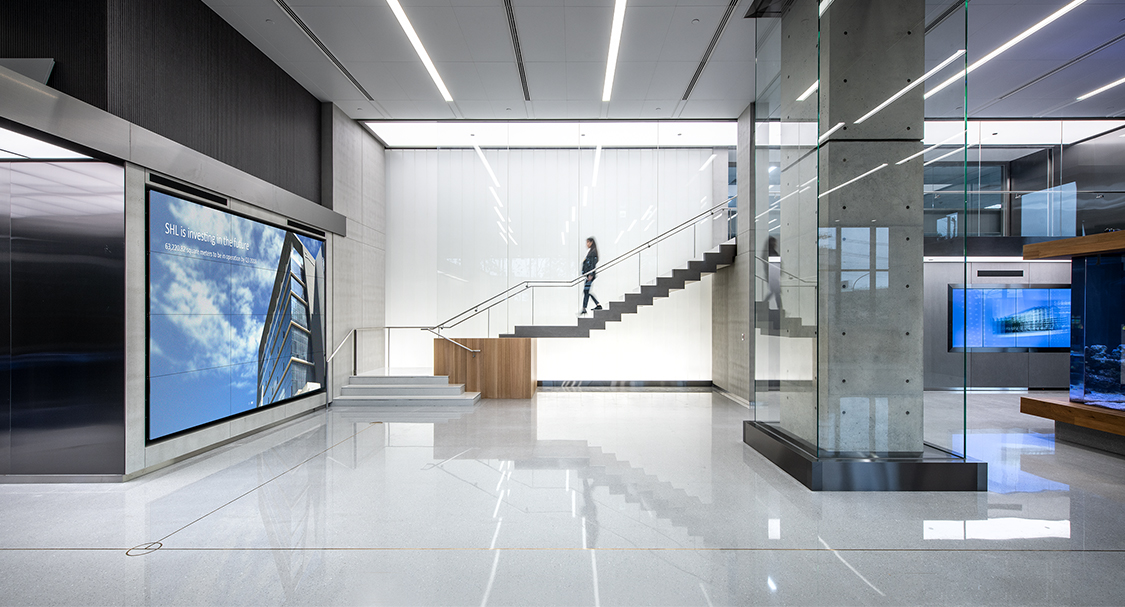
x=809, y=91
x=912, y=85
x=824, y=7
x=935, y=146
x=851, y=181
x=614, y=46
x=396, y=8
x=1007, y=45
x=1102, y=90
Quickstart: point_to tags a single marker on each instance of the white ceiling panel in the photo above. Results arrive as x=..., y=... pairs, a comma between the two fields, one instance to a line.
x=548, y=108
x=585, y=80
x=542, y=35
x=587, y=32
x=687, y=41
x=500, y=80
x=643, y=32
x=413, y=109
x=670, y=79
x=440, y=32
x=725, y=80
x=414, y=80
x=327, y=79
x=485, y=29
x=564, y=44
x=632, y=80
x=547, y=81
x=462, y=81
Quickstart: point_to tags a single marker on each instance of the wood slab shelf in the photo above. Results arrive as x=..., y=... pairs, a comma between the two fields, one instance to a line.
x=1077, y=414
x=1109, y=242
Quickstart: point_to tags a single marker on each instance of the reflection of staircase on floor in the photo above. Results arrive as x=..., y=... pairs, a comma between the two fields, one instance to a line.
x=633, y=484
x=405, y=390
x=711, y=262
x=774, y=322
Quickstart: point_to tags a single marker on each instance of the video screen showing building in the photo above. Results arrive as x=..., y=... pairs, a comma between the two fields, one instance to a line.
x=286, y=364
x=235, y=314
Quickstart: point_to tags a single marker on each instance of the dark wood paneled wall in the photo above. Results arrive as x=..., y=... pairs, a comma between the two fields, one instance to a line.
x=178, y=69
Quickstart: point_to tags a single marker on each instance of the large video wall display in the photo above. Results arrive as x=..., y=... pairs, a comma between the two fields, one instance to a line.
x=1034, y=318
x=235, y=315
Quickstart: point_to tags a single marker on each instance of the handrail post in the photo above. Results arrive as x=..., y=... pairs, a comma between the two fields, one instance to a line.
x=355, y=352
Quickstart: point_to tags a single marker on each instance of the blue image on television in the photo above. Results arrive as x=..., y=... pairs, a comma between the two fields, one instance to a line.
x=235, y=315
x=1010, y=317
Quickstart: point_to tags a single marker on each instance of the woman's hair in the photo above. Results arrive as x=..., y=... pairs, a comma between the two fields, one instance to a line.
x=593, y=244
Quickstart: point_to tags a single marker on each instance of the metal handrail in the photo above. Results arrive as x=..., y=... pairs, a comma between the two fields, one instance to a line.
x=458, y=344
x=508, y=293
x=350, y=335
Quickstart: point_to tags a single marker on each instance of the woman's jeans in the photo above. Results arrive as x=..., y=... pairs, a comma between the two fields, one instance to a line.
x=587, y=296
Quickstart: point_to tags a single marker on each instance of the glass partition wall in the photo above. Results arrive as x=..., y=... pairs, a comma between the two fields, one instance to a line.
x=841, y=207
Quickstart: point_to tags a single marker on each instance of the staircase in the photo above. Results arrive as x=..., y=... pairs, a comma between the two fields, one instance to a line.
x=404, y=390
x=711, y=262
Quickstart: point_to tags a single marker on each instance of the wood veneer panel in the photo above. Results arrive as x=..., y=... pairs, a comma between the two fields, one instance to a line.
x=1077, y=414
x=504, y=367
x=1109, y=242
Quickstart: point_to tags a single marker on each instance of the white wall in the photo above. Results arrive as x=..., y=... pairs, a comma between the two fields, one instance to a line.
x=452, y=243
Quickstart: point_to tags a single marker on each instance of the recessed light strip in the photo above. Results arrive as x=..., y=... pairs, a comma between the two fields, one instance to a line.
x=614, y=46
x=912, y=85
x=851, y=181
x=396, y=8
x=1102, y=90
x=1007, y=45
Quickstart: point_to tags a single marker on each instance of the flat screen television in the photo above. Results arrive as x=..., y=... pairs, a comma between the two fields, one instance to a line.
x=235, y=315
x=1012, y=318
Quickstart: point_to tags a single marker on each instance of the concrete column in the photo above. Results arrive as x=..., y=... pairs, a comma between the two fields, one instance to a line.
x=869, y=245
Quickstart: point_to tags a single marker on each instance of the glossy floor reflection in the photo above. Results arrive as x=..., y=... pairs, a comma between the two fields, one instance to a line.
x=571, y=498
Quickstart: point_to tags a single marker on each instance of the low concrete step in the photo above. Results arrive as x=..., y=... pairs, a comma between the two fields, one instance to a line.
x=384, y=380
x=465, y=398
x=430, y=389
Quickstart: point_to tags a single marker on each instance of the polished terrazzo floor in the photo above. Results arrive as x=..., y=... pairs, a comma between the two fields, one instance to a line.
x=571, y=498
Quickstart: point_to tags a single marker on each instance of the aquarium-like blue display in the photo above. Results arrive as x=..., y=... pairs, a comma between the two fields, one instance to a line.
x=1034, y=317
x=1097, y=347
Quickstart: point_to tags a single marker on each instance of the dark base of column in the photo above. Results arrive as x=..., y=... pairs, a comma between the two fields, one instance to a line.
x=865, y=474
x=1088, y=437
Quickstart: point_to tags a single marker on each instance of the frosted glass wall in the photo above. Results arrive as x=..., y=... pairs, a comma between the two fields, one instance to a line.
x=465, y=225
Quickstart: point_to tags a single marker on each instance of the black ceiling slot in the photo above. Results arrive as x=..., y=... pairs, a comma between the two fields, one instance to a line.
x=990, y=273
x=186, y=189
x=305, y=228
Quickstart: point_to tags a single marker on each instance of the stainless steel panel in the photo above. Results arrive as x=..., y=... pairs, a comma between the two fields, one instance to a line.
x=5, y=320
x=40, y=107
x=68, y=325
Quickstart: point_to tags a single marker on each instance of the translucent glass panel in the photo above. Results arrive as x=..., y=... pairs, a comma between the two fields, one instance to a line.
x=469, y=223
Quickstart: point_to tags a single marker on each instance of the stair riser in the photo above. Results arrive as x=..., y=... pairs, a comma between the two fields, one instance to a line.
x=372, y=380
x=354, y=401
x=402, y=390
